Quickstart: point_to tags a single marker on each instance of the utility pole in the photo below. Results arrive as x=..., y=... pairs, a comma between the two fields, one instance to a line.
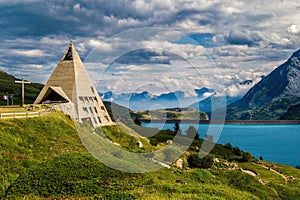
x=22, y=82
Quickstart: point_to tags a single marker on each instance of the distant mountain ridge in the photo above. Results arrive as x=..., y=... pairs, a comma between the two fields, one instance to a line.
x=272, y=96
x=147, y=101
x=206, y=104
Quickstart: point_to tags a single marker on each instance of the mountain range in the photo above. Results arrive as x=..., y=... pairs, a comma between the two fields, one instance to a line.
x=201, y=100
x=147, y=101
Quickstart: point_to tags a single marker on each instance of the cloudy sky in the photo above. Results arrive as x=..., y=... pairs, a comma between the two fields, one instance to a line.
x=155, y=45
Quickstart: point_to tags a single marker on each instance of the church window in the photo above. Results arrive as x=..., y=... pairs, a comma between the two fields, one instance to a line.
x=93, y=91
x=81, y=99
x=85, y=109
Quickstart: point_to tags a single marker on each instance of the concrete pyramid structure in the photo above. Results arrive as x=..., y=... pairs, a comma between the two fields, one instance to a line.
x=71, y=90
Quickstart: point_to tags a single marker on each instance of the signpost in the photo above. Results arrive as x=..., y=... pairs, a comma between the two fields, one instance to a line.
x=22, y=82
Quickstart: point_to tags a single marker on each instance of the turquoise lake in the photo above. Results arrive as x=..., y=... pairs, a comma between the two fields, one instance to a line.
x=275, y=143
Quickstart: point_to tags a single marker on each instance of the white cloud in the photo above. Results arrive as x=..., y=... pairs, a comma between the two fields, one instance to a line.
x=294, y=29
x=247, y=35
x=27, y=53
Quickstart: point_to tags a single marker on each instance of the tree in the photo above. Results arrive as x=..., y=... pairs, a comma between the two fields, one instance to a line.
x=228, y=146
x=246, y=156
x=137, y=121
x=176, y=127
x=236, y=151
x=261, y=158
x=195, y=162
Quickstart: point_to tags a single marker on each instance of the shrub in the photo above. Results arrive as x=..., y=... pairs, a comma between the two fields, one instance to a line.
x=246, y=157
x=195, y=162
x=228, y=146
x=237, y=151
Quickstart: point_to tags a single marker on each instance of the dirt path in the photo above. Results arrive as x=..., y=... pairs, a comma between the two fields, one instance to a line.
x=283, y=176
x=252, y=173
x=275, y=192
x=274, y=171
x=255, y=174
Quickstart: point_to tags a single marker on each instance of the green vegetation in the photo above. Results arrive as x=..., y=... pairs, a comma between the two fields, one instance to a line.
x=276, y=109
x=293, y=113
x=8, y=86
x=43, y=157
x=73, y=174
x=170, y=114
x=129, y=141
x=195, y=162
x=128, y=116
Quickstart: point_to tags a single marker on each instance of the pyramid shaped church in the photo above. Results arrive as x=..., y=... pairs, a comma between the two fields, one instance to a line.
x=71, y=90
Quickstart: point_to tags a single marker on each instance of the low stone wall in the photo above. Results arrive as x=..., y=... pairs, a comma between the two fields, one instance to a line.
x=67, y=108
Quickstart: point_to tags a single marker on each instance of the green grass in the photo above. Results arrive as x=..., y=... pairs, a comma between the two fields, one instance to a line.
x=44, y=157
x=72, y=174
x=25, y=142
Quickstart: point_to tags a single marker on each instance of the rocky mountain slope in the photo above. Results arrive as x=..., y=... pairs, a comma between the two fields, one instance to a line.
x=272, y=96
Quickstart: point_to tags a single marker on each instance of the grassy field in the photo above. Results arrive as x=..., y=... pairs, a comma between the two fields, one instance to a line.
x=44, y=158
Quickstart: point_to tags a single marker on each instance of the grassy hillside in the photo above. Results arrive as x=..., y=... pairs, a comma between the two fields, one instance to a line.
x=43, y=158
x=8, y=86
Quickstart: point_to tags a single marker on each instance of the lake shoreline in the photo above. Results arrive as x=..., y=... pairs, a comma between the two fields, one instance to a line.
x=254, y=122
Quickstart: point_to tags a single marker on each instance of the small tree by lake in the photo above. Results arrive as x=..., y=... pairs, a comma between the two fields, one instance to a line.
x=176, y=127
x=137, y=121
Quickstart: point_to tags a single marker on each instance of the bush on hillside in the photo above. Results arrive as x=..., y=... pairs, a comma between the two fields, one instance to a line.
x=195, y=162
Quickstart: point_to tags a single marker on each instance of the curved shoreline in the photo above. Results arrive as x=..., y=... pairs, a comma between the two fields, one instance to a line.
x=254, y=122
